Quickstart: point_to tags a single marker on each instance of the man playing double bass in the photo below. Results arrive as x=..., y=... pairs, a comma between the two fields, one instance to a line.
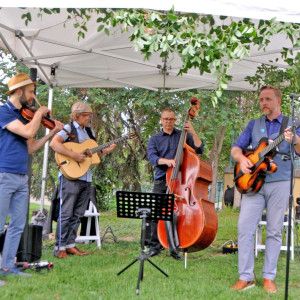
x=161, y=154
x=273, y=195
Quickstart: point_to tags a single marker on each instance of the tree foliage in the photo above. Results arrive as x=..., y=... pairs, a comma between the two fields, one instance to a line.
x=209, y=44
x=205, y=42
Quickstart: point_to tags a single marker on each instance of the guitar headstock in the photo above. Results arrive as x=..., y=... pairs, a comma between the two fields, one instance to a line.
x=132, y=135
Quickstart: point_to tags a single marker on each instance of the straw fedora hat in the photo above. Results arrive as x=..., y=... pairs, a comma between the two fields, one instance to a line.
x=18, y=81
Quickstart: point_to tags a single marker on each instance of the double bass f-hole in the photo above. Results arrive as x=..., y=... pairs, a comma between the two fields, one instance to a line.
x=189, y=193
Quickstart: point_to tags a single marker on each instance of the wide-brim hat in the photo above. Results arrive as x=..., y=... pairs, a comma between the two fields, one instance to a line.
x=18, y=81
x=81, y=107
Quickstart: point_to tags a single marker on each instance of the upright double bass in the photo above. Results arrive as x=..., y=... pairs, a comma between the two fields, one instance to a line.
x=195, y=225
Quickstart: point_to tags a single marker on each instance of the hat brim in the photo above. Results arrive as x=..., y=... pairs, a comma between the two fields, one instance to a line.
x=9, y=92
x=82, y=112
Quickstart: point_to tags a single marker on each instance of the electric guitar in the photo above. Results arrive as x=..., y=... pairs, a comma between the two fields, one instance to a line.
x=263, y=164
x=72, y=169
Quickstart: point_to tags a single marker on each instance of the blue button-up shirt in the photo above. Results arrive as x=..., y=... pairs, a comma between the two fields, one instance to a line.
x=82, y=136
x=164, y=145
x=245, y=139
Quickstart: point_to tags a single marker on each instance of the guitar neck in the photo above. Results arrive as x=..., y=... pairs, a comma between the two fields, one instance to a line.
x=271, y=146
x=117, y=141
x=274, y=144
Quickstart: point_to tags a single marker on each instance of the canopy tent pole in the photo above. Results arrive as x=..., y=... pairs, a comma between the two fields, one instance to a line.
x=45, y=160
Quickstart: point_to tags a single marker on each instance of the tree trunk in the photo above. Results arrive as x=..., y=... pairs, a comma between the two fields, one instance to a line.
x=214, y=159
x=237, y=198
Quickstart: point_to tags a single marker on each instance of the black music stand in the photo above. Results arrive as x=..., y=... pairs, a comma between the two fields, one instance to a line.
x=150, y=206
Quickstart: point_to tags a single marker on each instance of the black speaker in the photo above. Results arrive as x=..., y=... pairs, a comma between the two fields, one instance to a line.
x=297, y=212
x=30, y=247
x=2, y=238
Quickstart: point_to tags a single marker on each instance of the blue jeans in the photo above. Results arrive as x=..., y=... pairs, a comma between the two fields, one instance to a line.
x=14, y=194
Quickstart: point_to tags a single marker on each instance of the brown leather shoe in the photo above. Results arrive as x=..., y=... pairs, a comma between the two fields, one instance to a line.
x=76, y=251
x=242, y=285
x=61, y=254
x=269, y=286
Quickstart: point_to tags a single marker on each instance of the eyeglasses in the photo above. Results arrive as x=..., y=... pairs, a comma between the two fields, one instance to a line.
x=169, y=119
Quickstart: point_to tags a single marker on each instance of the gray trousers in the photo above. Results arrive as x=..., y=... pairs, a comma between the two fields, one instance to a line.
x=75, y=195
x=274, y=197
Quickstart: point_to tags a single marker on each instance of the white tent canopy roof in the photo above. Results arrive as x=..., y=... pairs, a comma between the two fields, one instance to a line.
x=287, y=11
x=110, y=61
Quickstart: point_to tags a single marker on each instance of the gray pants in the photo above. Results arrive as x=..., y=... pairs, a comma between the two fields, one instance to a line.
x=274, y=197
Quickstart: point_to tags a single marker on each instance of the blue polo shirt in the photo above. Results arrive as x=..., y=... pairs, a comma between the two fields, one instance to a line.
x=13, y=147
x=164, y=145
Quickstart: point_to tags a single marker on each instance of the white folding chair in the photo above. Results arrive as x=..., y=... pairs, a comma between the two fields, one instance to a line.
x=284, y=247
x=90, y=213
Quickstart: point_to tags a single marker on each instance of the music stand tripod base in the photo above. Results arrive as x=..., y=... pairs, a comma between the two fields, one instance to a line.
x=147, y=206
x=109, y=230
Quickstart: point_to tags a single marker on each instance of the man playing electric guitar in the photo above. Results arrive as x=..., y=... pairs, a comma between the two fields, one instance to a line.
x=273, y=195
x=75, y=193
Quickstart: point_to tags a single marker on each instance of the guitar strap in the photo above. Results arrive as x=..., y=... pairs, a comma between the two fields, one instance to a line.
x=74, y=133
x=283, y=126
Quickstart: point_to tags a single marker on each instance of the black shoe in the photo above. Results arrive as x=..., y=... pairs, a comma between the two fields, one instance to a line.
x=153, y=252
x=177, y=256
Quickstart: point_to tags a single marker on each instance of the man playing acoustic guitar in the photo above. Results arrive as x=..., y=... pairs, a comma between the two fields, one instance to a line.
x=75, y=193
x=272, y=195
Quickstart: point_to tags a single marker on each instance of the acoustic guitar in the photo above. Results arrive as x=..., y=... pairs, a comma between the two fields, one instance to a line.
x=263, y=164
x=72, y=169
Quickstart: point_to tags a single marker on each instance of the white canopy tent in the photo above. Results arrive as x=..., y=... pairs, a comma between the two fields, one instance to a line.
x=287, y=11
x=51, y=45
x=110, y=61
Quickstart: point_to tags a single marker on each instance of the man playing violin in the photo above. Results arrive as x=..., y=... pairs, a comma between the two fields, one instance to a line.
x=75, y=193
x=273, y=195
x=17, y=141
x=161, y=154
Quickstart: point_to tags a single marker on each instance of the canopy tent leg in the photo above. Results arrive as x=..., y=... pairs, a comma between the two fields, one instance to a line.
x=41, y=216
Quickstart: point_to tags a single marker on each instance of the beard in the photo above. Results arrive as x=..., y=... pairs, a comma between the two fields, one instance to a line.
x=23, y=100
x=266, y=111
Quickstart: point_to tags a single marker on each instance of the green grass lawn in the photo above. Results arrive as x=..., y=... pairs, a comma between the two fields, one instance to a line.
x=209, y=273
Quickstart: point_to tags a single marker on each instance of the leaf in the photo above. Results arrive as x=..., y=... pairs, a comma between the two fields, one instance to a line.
x=172, y=17
x=47, y=11
x=238, y=33
x=100, y=28
x=223, y=86
x=219, y=94
x=81, y=34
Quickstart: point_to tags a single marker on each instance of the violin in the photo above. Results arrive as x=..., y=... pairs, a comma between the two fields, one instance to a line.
x=29, y=112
